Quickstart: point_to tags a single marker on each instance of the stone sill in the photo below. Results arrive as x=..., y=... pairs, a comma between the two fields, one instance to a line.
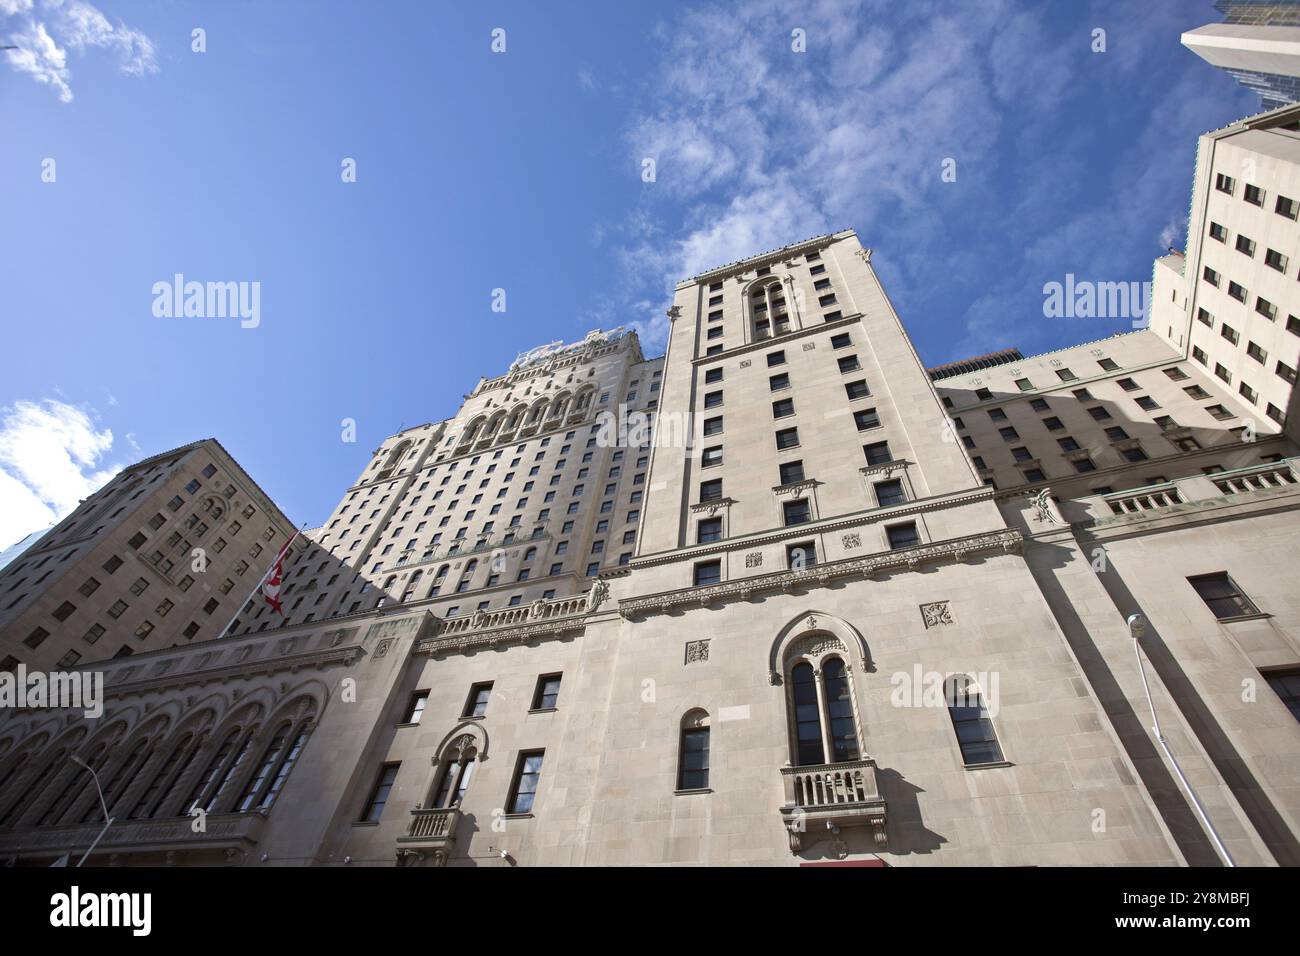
x=542, y=710
x=1257, y=616
x=687, y=793
x=988, y=766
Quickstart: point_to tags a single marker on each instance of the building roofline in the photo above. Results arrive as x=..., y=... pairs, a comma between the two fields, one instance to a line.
x=824, y=238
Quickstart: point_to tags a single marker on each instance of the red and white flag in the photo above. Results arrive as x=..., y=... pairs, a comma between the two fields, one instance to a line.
x=271, y=585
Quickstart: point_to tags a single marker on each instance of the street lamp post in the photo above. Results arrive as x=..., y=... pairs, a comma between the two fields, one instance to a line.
x=109, y=820
x=1137, y=626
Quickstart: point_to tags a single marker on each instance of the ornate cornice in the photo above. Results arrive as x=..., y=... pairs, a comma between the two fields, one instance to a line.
x=712, y=506
x=885, y=469
x=909, y=559
x=268, y=665
x=795, y=487
x=501, y=637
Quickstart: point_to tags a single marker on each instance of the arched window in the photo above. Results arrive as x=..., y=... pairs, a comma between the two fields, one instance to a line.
x=147, y=802
x=286, y=765
x=121, y=777
x=210, y=772
x=839, y=712
x=807, y=716
x=36, y=787
x=232, y=770
x=73, y=787
x=768, y=315
x=971, y=722
x=693, y=752
x=411, y=585
x=270, y=758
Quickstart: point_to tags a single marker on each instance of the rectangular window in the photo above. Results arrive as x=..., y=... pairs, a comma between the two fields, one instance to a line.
x=711, y=490
x=890, y=493
x=903, y=535
x=791, y=471
x=523, y=791
x=779, y=382
x=1222, y=596
x=709, y=529
x=694, y=772
x=856, y=390
x=415, y=708
x=787, y=438
x=713, y=426
x=801, y=555
x=547, y=692
x=775, y=358
x=866, y=418
x=796, y=512
x=783, y=408
x=877, y=453
x=477, y=702
x=379, y=795
x=706, y=573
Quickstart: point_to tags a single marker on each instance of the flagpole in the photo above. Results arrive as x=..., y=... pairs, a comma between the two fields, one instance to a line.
x=256, y=587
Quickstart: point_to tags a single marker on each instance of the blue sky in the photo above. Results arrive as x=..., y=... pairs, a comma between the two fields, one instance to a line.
x=522, y=171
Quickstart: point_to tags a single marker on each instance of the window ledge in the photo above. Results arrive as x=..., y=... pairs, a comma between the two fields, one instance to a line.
x=1257, y=616
x=365, y=823
x=687, y=793
x=409, y=723
x=988, y=766
x=517, y=816
x=542, y=710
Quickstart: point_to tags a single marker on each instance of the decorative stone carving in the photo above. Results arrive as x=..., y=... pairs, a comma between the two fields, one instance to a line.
x=809, y=346
x=599, y=592
x=936, y=614
x=479, y=618
x=746, y=363
x=382, y=647
x=864, y=255
x=674, y=313
x=1042, y=504
x=697, y=651
x=815, y=645
x=851, y=540
x=754, y=559
x=536, y=609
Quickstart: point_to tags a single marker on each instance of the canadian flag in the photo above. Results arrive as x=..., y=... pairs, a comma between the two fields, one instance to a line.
x=271, y=584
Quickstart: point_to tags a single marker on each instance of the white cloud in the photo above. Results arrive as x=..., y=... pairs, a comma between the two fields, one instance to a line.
x=51, y=457
x=759, y=146
x=44, y=34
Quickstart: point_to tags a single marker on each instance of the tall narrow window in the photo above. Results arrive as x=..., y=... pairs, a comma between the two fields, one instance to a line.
x=379, y=795
x=527, y=775
x=807, y=716
x=547, y=692
x=124, y=774
x=154, y=790
x=210, y=773
x=970, y=721
x=455, y=781
x=476, y=705
x=281, y=775
x=232, y=770
x=268, y=762
x=839, y=711
x=693, y=757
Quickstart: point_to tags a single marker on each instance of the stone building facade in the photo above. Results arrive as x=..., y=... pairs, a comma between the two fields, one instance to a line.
x=836, y=608
x=160, y=555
